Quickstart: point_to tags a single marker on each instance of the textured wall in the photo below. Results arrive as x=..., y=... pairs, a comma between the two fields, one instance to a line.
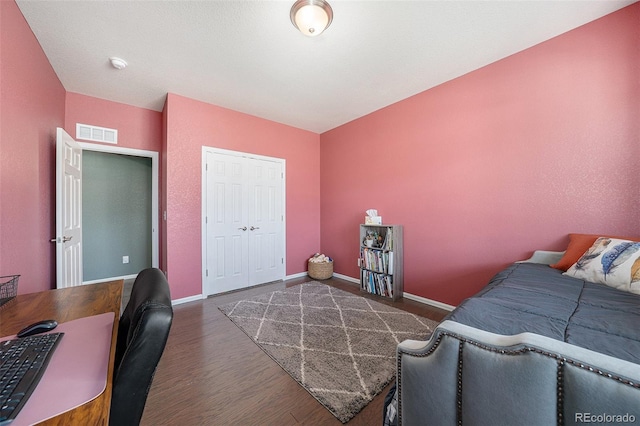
x=31, y=107
x=138, y=128
x=486, y=168
x=192, y=124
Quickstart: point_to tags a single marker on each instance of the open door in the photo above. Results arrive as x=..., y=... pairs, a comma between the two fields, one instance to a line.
x=68, y=211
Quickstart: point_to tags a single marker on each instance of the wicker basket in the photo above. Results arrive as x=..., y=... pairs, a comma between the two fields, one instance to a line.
x=321, y=271
x=8, y=288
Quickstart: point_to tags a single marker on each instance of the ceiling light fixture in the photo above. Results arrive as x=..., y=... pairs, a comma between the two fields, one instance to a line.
x=311, y=17
x=118, y=63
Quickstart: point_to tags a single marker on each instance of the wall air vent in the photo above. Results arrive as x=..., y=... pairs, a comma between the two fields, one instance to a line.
x=96, y=134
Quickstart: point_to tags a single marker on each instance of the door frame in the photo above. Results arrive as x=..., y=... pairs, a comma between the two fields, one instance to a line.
x=155, y=209
x=203, y=228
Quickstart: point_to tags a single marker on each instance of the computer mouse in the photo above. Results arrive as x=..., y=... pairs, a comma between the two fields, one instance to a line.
x=38, y=327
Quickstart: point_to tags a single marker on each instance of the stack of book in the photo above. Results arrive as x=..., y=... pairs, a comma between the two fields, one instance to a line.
x=379, y=284
x=376, y=260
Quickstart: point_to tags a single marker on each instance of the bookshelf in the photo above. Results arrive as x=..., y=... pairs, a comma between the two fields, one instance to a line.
x=380, y=260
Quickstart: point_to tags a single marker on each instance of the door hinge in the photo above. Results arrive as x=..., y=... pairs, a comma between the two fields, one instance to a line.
x=206, y=272
x=282, y=260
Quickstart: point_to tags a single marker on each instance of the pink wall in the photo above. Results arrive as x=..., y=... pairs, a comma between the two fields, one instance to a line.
x=138, y=128
x=31, y=107
x=484, y=169
x=192, y=124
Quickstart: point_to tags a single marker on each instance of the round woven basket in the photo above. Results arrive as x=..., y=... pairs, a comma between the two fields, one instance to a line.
x=321, y=271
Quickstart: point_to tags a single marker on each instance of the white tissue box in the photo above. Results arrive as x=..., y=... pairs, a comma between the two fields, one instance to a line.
x=373, y=220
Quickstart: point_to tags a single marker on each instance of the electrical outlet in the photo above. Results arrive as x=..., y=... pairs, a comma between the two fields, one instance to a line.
x=125, y=259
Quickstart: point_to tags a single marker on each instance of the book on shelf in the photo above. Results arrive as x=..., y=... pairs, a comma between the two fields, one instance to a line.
x=376, y=260
x=379, y=284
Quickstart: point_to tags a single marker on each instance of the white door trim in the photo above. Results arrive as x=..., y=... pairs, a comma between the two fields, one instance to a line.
x=203, y=228
x=155, y=244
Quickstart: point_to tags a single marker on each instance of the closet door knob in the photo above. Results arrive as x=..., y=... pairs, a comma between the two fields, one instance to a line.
x=244, y=228
x=254, y=228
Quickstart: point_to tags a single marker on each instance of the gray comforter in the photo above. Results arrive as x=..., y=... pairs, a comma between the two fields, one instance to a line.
x=536, y=298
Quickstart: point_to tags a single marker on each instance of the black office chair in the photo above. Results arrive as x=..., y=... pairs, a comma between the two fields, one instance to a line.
x=142, y=335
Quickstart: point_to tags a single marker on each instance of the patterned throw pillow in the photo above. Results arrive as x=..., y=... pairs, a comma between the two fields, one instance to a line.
x=578, y=244
x=610, y=261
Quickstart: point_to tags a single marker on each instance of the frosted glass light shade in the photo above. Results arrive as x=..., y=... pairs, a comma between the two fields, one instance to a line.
x=311, y=17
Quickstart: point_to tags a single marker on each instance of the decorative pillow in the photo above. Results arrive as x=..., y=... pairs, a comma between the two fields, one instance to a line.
x=578, y=245
x=610, y=261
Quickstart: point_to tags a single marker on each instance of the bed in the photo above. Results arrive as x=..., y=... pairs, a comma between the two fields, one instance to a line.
x=533, y=347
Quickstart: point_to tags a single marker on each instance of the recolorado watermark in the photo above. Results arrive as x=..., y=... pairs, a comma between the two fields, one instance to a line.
x=604, y=418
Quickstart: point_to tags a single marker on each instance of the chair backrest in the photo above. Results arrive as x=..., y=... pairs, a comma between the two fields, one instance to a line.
x=142, y=335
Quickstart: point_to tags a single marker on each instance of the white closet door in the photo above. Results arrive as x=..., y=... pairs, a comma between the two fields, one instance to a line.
x=243, y=221
x=226, y=218
x=266, y=255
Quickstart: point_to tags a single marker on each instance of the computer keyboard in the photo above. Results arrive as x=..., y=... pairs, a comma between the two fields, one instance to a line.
x=22, y=363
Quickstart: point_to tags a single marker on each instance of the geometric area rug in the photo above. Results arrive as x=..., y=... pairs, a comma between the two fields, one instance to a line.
x=339, y=346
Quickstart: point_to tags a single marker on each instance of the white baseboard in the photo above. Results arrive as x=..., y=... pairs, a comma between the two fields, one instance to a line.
x=347, y=278
x=187, y=299
x=130, y=277
x=429, y=301
x=306, y=274
x=407, y=295
x=298, y=275
x=103, y=280
x=336, y=275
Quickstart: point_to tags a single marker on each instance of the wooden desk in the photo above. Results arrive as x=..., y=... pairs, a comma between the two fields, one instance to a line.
x=65, y=305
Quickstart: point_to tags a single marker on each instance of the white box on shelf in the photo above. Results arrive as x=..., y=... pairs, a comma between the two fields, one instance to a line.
x=373, y=220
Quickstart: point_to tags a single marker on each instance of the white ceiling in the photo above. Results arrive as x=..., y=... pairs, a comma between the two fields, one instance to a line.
x=247, y=56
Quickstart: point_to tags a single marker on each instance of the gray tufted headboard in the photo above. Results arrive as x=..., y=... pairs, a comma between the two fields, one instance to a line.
x=466, y=376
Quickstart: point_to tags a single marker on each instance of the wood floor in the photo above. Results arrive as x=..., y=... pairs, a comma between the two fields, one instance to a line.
x=211, y=373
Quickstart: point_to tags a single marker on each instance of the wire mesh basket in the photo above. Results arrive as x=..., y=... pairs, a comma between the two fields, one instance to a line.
x=8, y=288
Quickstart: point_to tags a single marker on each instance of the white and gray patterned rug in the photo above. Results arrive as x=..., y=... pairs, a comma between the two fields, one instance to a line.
x=339, y=346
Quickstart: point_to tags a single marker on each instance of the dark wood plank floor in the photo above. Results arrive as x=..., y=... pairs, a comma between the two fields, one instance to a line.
x=211, y=373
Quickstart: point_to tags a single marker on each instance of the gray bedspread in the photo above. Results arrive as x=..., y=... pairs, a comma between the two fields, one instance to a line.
x=536, y=298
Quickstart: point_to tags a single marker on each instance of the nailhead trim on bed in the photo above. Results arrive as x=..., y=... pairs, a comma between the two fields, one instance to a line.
x=399, y=374
x=459, y=394
x=560, y=393
x=561, y=362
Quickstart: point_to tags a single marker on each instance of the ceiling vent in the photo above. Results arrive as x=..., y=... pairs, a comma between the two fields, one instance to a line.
x=96, y=134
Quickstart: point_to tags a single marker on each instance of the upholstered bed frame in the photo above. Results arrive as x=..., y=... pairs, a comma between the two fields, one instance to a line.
x=466, y=376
